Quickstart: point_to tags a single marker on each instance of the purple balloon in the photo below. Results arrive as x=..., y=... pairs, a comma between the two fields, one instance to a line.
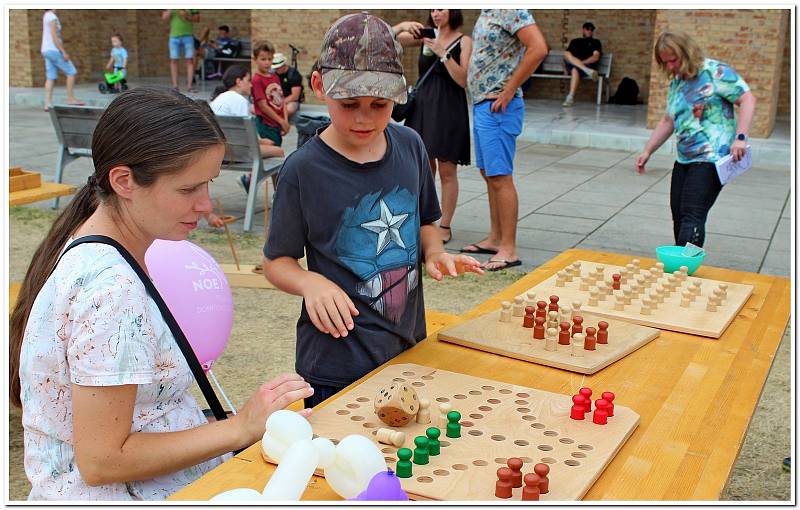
x=196, y=292
x=384, y=486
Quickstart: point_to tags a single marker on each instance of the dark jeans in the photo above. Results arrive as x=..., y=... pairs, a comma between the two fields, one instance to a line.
x=695, y=187
x=321, y=392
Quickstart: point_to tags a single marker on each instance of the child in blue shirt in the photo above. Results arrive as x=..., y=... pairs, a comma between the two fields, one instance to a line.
x=118, y=60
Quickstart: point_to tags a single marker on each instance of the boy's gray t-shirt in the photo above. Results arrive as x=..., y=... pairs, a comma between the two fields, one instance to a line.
x=359, y=225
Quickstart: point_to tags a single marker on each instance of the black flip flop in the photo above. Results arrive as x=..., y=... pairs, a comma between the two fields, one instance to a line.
x=479, y=250
x=506, y=264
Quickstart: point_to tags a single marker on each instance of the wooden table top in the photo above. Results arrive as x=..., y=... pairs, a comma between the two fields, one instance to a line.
x=695, y=395
x=46, y=191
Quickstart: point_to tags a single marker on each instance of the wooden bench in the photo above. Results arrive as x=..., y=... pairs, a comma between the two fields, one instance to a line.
x=243, y=153
x=74, y=126
x=243, y=58
x=553, y=67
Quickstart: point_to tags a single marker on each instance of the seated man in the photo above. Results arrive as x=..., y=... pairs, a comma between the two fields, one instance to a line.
x=223, y=46
x=291, y=83
x=582, y=54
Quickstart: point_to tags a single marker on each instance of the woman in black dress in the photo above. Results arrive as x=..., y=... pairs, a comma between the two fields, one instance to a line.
x=440, y=113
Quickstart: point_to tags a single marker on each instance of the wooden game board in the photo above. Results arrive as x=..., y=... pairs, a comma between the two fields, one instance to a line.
x=487, y=333
x=498, y=421
x=669, y=315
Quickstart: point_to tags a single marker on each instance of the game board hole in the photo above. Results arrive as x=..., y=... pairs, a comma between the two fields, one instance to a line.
x=342, y=412
x=353, y=406
x=521, y=402
x=441, y=472
x=467, y=424
x=578, y=455
x=501, y=460
x=370, y=425
x=480, y=462
x=585, y=447
x=427, y=377
x=498, y=437
x=335, y=441
x=408, y=374
x=357, y=418
x=545, y=447
x=375, y=432
x=474, y=392
x=570, y=462
x=484, y=408
x=566, y=440
x=398, y=379
x=460, y=467
x=418, y=384
x=475, y=433
x=493, y=401
x=521, y=442
x=550, y=433
x=526, y=460
x=523, y=410
x=424, y=479
x=523, y=395
x=390, y=460
x=443, y=399
x=459, y=397
x=444, y=444
x=314, y=436
x=548, y=460
x=529, y=417
x=362, y=399
x=537, y=425
x=476, y=416
x=487, y=388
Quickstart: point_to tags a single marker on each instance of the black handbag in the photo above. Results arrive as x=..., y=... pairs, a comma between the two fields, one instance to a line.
x=401, y=112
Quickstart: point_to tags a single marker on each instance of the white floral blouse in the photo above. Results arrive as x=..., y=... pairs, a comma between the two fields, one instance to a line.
x=92, y=324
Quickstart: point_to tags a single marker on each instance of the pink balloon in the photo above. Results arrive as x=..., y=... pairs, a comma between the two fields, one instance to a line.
x=196, y=292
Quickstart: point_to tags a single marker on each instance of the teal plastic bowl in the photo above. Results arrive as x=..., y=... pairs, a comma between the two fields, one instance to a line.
x=672, y=257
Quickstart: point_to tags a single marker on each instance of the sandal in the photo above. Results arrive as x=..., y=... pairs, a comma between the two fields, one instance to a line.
x=474, y=248
x=506, y=264
x=450, y=234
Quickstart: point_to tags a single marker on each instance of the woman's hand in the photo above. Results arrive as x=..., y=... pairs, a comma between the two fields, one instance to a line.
x=443, y=263
x=329, y=308
x=641, y=161
x=738, y=148
x=436, y=46
x=412, y=27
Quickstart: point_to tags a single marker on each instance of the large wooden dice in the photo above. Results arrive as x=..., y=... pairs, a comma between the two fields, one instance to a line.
x=396, y=404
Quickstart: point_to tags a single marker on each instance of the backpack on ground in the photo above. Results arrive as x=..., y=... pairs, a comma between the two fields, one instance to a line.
x=627, y=92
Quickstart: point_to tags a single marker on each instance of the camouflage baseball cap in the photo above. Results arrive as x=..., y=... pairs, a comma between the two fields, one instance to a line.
x=361, y=57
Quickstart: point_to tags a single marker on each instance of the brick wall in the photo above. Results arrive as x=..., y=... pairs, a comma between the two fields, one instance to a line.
x=750, y=40
x=21, y=55
x=785, y=92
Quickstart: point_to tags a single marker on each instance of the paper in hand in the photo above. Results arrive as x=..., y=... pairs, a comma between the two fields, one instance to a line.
x=727, y=168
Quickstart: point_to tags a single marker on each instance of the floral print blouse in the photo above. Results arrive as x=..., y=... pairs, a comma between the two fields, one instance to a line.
x=93, y=324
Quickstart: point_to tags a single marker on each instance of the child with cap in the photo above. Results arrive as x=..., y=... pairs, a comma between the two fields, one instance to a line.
x=359, y=200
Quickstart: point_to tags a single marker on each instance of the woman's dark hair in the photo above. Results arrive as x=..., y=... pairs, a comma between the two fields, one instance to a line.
x=154, y=131
x=455, y=20
x=234, y=72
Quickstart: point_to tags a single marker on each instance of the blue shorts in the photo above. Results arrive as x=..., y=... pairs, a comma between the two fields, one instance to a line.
x=183, y=41
x=495, y=136
x=53, y=61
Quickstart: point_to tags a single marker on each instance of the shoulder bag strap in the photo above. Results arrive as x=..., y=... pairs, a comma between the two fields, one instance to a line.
x=180, y=338
x=452, y=45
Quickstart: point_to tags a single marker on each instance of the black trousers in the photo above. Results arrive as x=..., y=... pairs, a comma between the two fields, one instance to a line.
x=694, y=189
x=321, y=392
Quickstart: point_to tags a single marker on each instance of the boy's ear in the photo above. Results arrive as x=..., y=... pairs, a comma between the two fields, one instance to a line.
x=317, y=86
x=121, y=180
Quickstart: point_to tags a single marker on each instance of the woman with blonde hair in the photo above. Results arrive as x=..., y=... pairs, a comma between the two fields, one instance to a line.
x=700, y=112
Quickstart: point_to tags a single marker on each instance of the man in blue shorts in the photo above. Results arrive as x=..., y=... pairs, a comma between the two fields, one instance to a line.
x=507, y=46
x=181, y=41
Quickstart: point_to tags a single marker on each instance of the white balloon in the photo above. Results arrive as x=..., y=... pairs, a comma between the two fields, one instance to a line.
x=238, y=495
x=293, y=473
x=283, y=428
x=326, y=451
x=357, y=460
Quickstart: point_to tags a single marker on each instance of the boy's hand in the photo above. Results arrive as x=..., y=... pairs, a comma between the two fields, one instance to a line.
x=329, y=307
x=443, y=263
x=215, y=221
x=285, y=127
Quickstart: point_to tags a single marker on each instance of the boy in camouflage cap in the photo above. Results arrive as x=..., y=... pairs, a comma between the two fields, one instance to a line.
x=358, y=199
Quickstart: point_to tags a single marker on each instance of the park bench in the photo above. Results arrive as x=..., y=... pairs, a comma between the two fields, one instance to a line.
x=553, y=67
x=244, y=154
x=74, y=126
x=243, y=58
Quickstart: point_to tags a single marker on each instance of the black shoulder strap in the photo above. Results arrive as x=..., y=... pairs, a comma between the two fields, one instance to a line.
x=180, y=338
x=452, y=45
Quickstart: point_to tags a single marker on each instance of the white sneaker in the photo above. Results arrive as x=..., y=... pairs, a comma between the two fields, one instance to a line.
x=568, y=101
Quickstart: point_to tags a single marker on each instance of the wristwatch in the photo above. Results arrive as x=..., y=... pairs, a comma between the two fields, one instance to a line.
x=741, y=136
x=444, y=58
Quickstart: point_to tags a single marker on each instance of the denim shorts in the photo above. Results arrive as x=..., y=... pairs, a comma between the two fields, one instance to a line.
x=182, y=41
x=53, y=61
x=495, y=136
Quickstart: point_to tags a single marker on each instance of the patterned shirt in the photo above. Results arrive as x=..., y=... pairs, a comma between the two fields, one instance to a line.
x=93, y=324
x=701, y=110
x=496, y=51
